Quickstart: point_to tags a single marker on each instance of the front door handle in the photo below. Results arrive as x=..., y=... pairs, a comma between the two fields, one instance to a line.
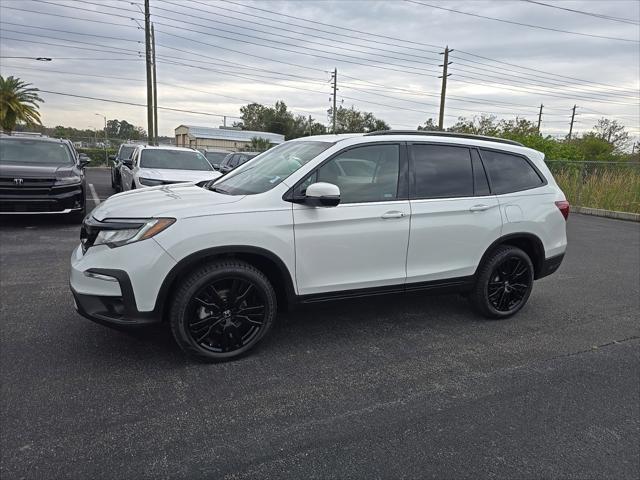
x=393, y=214
x=479, y=208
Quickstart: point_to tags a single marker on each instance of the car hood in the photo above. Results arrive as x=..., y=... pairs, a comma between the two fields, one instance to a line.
x=35, y=170
x=178, y=201
x=172, y=175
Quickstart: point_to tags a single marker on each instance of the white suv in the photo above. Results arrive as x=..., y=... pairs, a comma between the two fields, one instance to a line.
x=320, y=218
x=151, y=166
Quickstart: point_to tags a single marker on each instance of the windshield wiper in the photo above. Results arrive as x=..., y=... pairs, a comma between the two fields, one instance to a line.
x=219, y=190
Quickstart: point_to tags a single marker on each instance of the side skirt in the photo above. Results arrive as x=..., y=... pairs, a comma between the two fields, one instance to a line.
x=449, y=285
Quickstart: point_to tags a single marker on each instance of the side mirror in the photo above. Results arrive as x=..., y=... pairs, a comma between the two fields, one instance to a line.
x=83, y=159
x=322, y=194
x=216, y=166
x=127, y=162
x=112, y=158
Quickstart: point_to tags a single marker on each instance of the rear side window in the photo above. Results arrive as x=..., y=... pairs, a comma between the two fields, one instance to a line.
x=509, y=173
x=441, y=171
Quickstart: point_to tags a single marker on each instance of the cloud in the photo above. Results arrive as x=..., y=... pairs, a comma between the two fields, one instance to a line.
x=213, y=55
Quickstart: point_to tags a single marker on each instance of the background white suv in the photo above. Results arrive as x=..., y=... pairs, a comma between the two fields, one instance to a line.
x=319, y=218
x=151, y=166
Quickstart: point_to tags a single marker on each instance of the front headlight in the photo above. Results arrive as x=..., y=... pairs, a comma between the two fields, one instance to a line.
x=71, y=180
x=116, y=233
x=149, y=182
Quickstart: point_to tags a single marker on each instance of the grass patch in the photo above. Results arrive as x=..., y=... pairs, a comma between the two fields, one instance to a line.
x=610, y=187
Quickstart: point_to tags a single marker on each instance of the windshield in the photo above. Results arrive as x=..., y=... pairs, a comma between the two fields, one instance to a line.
x=270, y=168
x=174, y=159
x=216, y=157
x=34, y=151
x=125, y=152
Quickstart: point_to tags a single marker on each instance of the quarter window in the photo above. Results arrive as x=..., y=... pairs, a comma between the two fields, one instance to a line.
x=509, y=173
x=441, y=171
x=363, y=174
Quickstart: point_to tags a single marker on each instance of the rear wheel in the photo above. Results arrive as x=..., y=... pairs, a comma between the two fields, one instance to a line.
x=504, y=283
x=222, y=310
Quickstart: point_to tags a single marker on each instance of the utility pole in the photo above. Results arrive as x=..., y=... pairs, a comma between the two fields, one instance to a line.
x=147, y=43
x=155, y=87
x=573, y=116
x=443, y=93
x=540, y=117
x=335, y=89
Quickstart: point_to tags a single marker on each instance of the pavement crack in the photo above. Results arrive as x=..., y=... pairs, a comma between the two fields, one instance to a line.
x=597, y=347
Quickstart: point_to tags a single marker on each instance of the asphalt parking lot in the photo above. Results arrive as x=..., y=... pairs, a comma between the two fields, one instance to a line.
x=392, y=387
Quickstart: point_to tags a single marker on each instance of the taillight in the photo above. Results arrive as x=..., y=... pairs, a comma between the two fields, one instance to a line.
x=563, y=206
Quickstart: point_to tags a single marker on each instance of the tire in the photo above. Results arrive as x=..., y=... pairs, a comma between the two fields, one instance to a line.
x=222, y=311
x=504, y=283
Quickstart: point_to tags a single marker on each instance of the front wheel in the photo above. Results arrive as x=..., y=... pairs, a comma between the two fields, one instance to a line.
x=504, y=283
x=222, y=310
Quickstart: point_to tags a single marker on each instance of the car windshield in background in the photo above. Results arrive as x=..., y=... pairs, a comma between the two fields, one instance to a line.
x=125, y=152
x=216, y=157
x=270, y=168
x=174, y=159
x=33, y=151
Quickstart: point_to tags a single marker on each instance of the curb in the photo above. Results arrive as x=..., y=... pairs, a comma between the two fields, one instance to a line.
x=632, y=217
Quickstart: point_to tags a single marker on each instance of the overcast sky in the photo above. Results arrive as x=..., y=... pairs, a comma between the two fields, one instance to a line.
x=215, y=56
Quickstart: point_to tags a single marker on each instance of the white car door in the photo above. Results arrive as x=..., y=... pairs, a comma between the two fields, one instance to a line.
x=362, y=242
x=454, y=217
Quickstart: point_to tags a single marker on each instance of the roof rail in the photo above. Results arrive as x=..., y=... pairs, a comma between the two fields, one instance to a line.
x=23, y=134
x=428, y=133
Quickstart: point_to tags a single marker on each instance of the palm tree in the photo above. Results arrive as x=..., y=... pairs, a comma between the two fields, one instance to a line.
x=18, y=103
x=258, y=145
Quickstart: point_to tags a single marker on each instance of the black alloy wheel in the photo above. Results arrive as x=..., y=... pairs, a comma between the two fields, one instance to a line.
x=223, y=310
x=510, y=282
x=504, y=283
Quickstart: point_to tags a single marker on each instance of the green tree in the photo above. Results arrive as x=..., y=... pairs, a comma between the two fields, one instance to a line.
x=18, y=103
x=277, y=119
x=258, y=145
x=613, y=133
x=350, y=120
x=430, y=125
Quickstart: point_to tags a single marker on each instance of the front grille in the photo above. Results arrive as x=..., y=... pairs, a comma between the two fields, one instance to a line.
x=26, y=182
x=31, y=206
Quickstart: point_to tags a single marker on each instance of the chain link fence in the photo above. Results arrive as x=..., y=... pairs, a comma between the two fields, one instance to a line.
x=605, y=185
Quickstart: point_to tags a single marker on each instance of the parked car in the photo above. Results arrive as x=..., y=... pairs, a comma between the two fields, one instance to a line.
x=216, y=157
x=151, y=166
x=234, y=160
x=320, y=218
x=41, y=175
x=124, y=153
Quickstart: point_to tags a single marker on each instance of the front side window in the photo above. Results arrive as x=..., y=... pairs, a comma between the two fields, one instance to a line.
x=27, y=151
x=509, y=173
x=441, y=171
x=363, y=174
x=174, y=159
x=270, y=168
x=125, y=152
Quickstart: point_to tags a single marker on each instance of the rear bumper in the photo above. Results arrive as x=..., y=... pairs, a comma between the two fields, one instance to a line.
x=58, y=200
x=114, y=310
x=550, y=265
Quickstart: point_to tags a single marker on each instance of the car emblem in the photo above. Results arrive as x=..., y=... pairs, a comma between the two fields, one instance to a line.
x=18, y=181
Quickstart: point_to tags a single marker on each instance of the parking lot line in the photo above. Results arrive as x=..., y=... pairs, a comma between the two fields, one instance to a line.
x=94, y=195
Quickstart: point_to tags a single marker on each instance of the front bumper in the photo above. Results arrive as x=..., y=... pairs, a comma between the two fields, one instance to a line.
x=51, y=200
x=120, y=286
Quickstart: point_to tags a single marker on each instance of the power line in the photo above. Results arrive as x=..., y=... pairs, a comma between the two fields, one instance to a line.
x=582, y=12
x=102, y=22
x=66, y=46
x=109, y=100
x=523, y=24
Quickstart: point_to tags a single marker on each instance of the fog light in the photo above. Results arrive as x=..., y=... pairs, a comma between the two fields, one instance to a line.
x=100, y=276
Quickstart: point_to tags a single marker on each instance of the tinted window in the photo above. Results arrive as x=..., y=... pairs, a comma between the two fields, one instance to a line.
x=364, y=174
x=174, y=159
x=233, y=161
x=480, y=183
x=441, y=171
x=125, y=152
x=25, y=151
x=215, y=157
x=509, y=173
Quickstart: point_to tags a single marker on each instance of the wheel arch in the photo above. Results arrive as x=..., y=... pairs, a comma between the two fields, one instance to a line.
x=264, y=260
x=528, y=242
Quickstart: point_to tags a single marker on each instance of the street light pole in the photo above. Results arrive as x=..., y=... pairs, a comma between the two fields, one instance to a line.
x=106, y=155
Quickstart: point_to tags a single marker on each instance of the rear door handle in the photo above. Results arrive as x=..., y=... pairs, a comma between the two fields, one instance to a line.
x=479, y=208
x=393, y=214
